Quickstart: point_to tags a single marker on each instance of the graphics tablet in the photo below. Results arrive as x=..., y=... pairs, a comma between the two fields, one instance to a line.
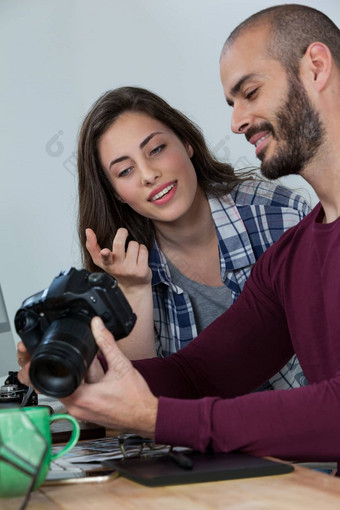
x=206, y=467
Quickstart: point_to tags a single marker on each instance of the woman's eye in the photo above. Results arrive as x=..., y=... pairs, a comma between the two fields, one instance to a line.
x=125, y=172
x=157, y=150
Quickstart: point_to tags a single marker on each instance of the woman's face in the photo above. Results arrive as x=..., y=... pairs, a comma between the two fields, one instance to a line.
x=149, y=167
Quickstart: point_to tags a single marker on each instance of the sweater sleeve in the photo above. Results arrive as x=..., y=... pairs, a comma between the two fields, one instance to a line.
x=299, y=424
x=204, y=389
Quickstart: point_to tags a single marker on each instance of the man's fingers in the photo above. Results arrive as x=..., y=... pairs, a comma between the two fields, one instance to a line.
x=116, y=361
x=23, y=375
x=95, y=372
x=23, y=355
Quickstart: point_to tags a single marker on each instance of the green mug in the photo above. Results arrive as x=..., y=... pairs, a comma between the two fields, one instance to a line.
x=25, y=448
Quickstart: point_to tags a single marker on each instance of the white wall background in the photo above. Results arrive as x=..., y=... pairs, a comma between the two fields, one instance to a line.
x=56, y=58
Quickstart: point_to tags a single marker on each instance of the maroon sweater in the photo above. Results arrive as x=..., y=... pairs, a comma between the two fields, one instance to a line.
x=291, y=303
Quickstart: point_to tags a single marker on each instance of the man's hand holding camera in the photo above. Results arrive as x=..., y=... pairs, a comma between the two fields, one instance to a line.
x=24, y=359
x=119, y=399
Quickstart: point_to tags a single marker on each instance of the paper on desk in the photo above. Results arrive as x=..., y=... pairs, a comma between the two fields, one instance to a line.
x=99, y=457
x=97, y=450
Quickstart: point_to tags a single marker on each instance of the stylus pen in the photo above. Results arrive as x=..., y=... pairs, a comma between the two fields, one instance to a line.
x=181, y=460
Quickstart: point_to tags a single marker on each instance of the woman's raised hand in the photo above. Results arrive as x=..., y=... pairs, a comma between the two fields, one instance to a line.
x=129, y=266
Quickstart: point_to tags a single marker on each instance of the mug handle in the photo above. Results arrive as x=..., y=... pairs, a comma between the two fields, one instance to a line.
x=74, y=436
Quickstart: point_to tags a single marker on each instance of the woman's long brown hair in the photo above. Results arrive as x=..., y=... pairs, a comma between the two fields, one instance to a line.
x=99, y=207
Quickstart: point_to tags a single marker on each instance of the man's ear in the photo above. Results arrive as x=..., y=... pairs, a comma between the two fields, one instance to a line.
x=317, y=64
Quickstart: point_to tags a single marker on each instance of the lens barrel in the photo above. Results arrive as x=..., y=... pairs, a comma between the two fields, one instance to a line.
x=61, y=360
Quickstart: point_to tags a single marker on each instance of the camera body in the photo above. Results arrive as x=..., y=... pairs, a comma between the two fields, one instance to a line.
x=54, y=325
x=12, y=392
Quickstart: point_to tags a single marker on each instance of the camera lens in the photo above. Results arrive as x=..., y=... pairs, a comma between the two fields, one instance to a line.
x=61, y=360
x=56, y=369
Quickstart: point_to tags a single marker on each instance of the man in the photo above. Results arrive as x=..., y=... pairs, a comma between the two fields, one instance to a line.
x=284, y=86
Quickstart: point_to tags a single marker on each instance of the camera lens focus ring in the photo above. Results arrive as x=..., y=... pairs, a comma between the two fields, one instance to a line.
x=60, y=362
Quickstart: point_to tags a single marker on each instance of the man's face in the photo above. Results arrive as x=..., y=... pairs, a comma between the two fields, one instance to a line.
x=271, y=107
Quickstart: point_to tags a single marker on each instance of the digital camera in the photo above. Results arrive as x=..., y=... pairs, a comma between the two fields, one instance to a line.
x=54, y=325
x=12, y=393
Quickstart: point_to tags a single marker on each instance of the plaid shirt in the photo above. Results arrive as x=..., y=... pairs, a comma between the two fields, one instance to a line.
x=248, y=220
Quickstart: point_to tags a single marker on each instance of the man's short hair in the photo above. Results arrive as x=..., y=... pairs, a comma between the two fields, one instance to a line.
x=292, y=28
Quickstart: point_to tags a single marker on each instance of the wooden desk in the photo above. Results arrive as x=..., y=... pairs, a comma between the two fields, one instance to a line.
x=303, y=489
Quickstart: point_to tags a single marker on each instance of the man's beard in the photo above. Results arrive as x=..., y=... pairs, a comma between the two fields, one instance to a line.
x=300, y=127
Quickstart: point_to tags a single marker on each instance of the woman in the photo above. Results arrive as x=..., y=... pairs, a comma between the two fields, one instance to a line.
x=179, y=230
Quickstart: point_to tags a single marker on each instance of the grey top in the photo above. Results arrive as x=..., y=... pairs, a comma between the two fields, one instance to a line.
x=208, y=302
